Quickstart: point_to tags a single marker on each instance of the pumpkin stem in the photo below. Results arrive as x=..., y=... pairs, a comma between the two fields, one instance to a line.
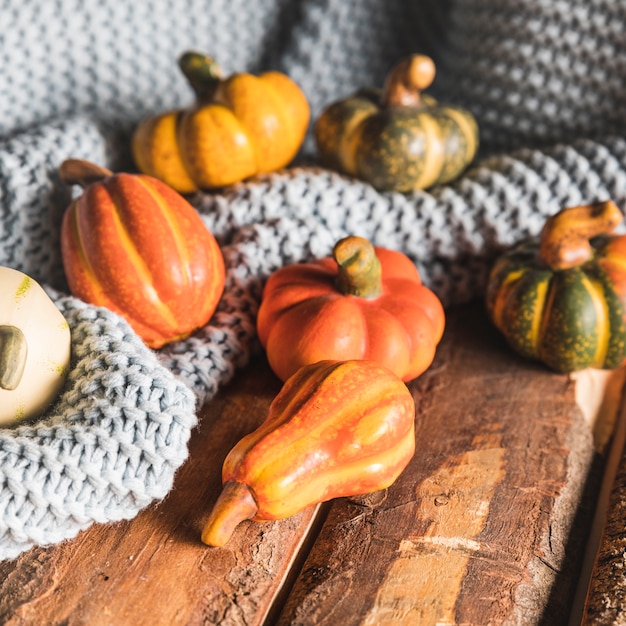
x=13, y=354
x=234, y=505
x=83, y=173
x=564, y=239
x=202, y=73
x=360, y=273
x=407, y=80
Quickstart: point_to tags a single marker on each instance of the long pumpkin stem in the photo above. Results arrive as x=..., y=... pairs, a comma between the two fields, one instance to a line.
x=83, y=173
x=564, y=239
x=234, y=505
x=360, y=273
x=407, y=80
x=202, y=73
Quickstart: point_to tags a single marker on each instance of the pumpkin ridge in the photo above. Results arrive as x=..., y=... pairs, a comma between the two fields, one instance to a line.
x=78, y=248
x=393, y=328
x=286, y=121
x=339, y=481
x=598, y=295
x=283, y=406
x=245, y=88
x=433, y=165
x=174, y=227
x=299, y=432
x=202, y=156
x=141, y=270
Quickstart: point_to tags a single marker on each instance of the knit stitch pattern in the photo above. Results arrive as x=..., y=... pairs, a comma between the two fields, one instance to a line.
x=112, y=442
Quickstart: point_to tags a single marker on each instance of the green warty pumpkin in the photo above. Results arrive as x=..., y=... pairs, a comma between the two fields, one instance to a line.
x=561, y=298
x=397, y=139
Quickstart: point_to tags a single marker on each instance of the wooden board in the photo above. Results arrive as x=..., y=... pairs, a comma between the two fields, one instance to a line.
x=486, y=526
x=605, y=591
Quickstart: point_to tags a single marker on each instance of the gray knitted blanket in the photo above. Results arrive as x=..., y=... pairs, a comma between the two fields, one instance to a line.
x=546, y=81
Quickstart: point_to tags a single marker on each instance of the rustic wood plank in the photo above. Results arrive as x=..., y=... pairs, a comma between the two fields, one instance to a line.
x=476, y=530
x=605, y=587
x=154, y=569
x=480, y=527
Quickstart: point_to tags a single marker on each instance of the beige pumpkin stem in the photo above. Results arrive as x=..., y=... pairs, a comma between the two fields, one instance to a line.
x=13, y=355
x=407, y=80
x=234, y=505
x=564, y=239
x=202, y=73
x=359, y=269
x=83, y=173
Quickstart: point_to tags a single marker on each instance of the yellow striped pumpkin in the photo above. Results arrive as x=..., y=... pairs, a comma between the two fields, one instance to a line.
x=398, y=139
x=561, y=298
x=239, y=126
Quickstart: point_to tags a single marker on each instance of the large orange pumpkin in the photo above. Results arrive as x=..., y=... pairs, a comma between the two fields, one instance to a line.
x=361, y=303
x=134, y=245
x=239, y=126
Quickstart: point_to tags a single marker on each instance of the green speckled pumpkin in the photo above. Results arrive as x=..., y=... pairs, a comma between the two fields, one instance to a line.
x=397, y=139
x=561, y=298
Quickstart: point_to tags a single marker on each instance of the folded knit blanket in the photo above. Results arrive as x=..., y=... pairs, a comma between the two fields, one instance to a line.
x=545, y=80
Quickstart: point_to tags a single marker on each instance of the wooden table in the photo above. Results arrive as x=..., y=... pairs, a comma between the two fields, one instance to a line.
x=489, y=524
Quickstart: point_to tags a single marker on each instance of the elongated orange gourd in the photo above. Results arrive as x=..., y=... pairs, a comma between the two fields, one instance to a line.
x=337, y=428
x=239, y=126
x=363, y=303
x=132, y=244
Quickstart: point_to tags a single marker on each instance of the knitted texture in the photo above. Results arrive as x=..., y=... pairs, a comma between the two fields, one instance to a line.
x=536, y=71
x=551, y=137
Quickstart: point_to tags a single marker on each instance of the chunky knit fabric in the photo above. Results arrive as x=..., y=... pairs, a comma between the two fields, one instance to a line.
x=544, y=78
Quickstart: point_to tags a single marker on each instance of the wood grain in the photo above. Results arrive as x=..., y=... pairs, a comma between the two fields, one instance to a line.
x=486, y=526
x=477, y=528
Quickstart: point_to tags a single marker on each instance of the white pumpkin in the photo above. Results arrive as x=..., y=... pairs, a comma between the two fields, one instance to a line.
x=35, y=347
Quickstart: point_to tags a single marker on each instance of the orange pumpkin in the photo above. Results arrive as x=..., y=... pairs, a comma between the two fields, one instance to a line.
x=240, y=126
x=132, y=244
x=337, y=428
x=363, y=303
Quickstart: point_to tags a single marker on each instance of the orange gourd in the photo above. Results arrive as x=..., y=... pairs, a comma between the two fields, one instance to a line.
x=239, y=126
x=336, y=428
x=132, y=244
x=362, y=303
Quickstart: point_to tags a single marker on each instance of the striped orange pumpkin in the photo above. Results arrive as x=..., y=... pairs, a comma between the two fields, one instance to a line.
x=337, y=428
x=134, y=245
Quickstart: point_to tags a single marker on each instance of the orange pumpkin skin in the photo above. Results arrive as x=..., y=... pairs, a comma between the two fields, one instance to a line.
x=240, y=126
x=306, y=317
x=337, y=428
x=132, y=244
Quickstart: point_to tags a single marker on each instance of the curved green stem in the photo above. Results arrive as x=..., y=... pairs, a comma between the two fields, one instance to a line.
x=359, y=269
x=202, y=73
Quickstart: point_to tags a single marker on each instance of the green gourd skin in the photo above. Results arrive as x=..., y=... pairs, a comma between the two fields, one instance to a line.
x=570, y=318
x=398, y=139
